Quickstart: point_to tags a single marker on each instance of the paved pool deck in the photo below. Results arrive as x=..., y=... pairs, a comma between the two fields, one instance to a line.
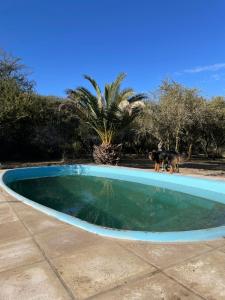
x=43, y=258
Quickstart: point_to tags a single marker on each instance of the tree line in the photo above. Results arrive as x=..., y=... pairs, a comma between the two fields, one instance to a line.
x=111, y=122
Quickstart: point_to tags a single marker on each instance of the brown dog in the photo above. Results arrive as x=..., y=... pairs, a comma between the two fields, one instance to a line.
x=169, y=160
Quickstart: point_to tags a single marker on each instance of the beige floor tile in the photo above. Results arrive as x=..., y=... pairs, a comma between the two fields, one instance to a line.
x=22, y=209
x=164, y=255
x=65, y=240
x=96, y=268
x=12, y=231
x=221, y=249
x=204, y=274
x=19, y=253
x=5, y=197
x=155, y=287
x=216, y=243
x=35, y=282
x=36, y=221
x=2, y=198
x=7, y=214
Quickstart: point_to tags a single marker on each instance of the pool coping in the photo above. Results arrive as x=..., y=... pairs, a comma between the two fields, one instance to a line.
x=158, y=237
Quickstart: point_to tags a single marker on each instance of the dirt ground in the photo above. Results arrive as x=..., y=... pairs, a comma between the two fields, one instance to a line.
x=193, y=167
x=202, y=167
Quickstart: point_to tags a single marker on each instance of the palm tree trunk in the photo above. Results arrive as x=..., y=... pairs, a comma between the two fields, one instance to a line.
x=107, y=154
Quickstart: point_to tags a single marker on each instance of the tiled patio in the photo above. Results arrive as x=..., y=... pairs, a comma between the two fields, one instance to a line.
x=43, y=258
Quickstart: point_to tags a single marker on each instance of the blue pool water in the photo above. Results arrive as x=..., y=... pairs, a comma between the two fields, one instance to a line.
x=121, y=204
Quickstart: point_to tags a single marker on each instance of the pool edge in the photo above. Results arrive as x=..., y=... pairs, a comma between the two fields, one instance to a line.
x=155, y=237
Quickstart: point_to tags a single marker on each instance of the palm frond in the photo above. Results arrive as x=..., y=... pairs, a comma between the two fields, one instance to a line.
x=97, y=89
x=126, y=93
x=94, y=84
x=115, y=87
x=104, y=113
x=137, y=97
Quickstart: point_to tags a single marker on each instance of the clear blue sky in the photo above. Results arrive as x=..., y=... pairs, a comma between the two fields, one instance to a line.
x=149, y=40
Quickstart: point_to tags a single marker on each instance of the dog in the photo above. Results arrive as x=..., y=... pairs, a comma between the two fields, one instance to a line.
x=169, y=160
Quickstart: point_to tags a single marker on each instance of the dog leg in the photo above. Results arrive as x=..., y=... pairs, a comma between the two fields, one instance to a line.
x=159, y=167
x=171, y=169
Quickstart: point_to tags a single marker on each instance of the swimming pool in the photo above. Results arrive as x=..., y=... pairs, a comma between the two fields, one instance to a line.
x=124, y=203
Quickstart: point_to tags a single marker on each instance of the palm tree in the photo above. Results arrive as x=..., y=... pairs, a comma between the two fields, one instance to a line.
x=107, y=114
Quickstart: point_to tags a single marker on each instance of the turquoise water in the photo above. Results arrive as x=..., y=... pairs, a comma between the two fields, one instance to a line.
x=122, y=204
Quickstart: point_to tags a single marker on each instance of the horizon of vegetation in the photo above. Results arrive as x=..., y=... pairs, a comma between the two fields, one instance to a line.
x=104, y=123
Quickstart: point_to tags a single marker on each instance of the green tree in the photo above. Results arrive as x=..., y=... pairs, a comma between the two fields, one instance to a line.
x=15, y=90
x=216, y=120
x=30, y=123
x=107, y=114
x=176, y=116
x=15, y=100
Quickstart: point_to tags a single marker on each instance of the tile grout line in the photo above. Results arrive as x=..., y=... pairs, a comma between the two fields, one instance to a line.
x=220, y=249
x=158, y=270
x=46, y=259
x=70, y=252
x=129, y=280
x=189, y=259
x=8, y=243
x=161, y=270
x=144, y=276
x=183, y=285
x=133, y=279
x=8, y=202
x=54, y=270
x=137, y=255
x=22, y=266
x=174, y=264
x=217, y=247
